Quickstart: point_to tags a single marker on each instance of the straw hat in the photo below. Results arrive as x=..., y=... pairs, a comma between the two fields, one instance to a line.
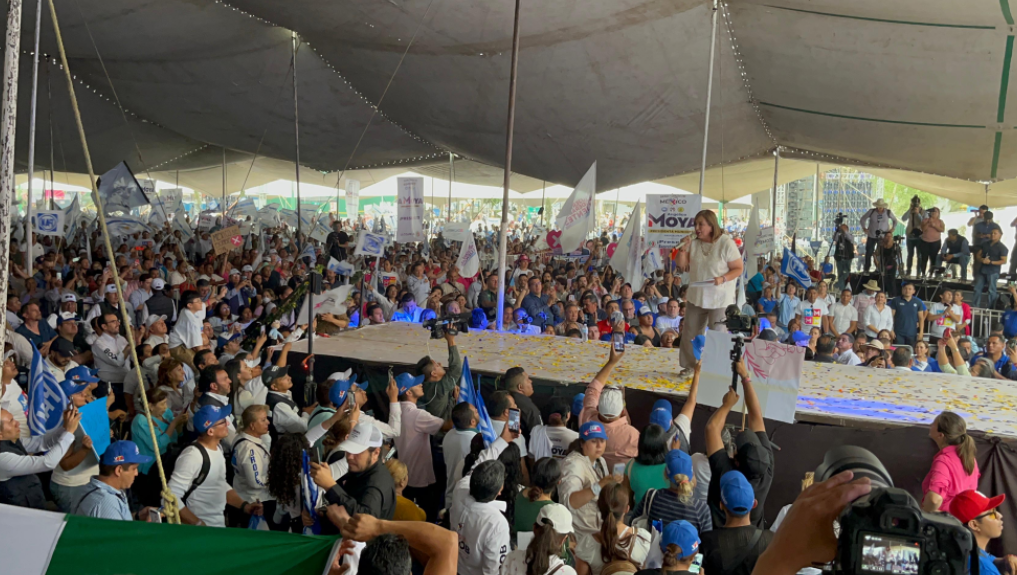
x=880, y=203
x=871, y=285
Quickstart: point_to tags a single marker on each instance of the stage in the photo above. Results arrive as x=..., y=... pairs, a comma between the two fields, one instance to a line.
x=829, y=394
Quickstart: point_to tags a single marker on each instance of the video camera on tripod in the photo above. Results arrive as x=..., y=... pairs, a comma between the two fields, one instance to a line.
x=451, y=324
x=737, y=322
x=881, y=233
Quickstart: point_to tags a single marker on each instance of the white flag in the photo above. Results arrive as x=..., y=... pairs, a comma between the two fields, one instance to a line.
x=49, y=222
x=369, y=244
x=579, y=215
x=320, y=231
x=626, y=258
x=469, y=259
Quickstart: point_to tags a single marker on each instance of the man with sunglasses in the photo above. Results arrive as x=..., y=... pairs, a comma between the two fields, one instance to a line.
x=980, y=514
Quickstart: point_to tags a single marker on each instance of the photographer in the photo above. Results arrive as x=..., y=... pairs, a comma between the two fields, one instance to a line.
x=439, y=383
x=956, y=251
x=878, y=219
x=915, y=217
x=844, y=254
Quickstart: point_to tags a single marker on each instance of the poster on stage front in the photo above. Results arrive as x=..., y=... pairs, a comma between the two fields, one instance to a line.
x=670, y=217
x=410, y=227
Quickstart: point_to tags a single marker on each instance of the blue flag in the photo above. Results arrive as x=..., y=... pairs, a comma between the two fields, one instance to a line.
x=309, y=495
x=793, y=267
x=470, y=394
x=46, y=399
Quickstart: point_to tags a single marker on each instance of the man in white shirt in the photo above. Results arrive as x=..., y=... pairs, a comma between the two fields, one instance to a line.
x=482, y=528
x=844, y=315
x=501, y=402
x=139, y=296
x=553, y=439
x=672, y=320
x=214, y=384
x=251, y=452
x=13, y=308
x=199, y=477
x=845, y=350
x=12, y=397
x=456, y=444
x=68, y=304
x=286, y=416
x=414, y=444
x=812, y=311
x=59, y=358
x=187, y=331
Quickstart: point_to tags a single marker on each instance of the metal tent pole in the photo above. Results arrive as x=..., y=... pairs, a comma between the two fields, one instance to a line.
x=35, y=93
x=510, y=127
x=296, y=132
x=709, y=98
x=815, y=204
x=8, y=124
x=773, y=196
x=451, y=176
x=543, y=199
x=223, y=206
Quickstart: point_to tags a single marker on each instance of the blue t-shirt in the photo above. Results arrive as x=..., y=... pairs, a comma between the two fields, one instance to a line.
x=1010, y=323
x=46, y=333
x=905, y=317
x=767, y=304
x=985, y=564
x=755, y=284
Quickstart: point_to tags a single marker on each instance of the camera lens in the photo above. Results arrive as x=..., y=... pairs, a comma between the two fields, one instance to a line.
x=857, y=459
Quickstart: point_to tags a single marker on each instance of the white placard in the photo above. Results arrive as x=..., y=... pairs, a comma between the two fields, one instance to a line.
x=670, y=217
x=352, y=199
x=775, y=369
x=205, y=222
x=456, y=231
x=764, y=242
x=49, y=222
x=410, y=224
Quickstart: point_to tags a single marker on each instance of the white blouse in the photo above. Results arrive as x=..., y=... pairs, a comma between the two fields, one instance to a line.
x=708, y=261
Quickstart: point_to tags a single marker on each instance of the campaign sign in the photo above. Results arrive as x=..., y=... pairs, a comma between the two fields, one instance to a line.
x=670, y=217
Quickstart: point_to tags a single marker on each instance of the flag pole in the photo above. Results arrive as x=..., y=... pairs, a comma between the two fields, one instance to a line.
x=510, y=127
x=709, y=98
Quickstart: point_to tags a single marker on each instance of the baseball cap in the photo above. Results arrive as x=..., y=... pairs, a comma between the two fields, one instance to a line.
x=234, y=272
x=336, y=376
x=678, y=463
x=611, y=402
x=209, y=415
x=969, y=504
x=111, y=288
x=577, y=403
x=662, y=414
x=684, y=535
x=736, y=493
x=247, y=268
x=158, y=284
x=150, y=320
x=363, y=437
x=123, y=453
x=524, y=258
x=751, y=456
x=67, y=316
x=592, y=430
x=405, y=381
x=70, y=387
x=557, y=515
x=800, y=338
x=63, y=347
x=273, y=373
x=68, y=297
x=339, y=389
x=81, y=374
x=645, y=310
x=764, y=324
x=698, y=343
x=767, y=335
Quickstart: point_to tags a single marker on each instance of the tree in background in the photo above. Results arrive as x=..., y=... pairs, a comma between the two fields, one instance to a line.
x=898, y=196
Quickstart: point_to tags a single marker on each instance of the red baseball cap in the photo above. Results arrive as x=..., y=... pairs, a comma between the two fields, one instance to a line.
x=970, y=504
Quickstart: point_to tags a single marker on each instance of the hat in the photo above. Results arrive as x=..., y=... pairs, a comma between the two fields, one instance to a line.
x=209, y=415
x=337, y=394
x=123, y=453
x=800, y=338
x=645, y=310
x=405, y=381
x=11, y=353
x=67, y=297
x=67, y=316
x=871, y=285
x=592, y=430
x=558, y=516
x=152, y=319
x=247, y=268
x=70, y=387
x=698, y=343
x=751, y=455
x=678, y=463
x=81, y=374
x=203, y=277
x=616, y=317
x=158, y=284
x=662, y=414
x=875, y=344
x=968, y=505
x=234, y=272
x=524, y=258
x=767, y=335
x=111, y=288
x=63, y=347
x=577, y=403
x=684, y=535
x=363, y=437
x=736, y=493
x=880, y=203
x=764, y=324
x=611, y=402
x=273, y=373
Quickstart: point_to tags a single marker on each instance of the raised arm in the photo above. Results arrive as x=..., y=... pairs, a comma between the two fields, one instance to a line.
x=715, y=425
x=440, y=546
x=751, y=401
x=690, y=403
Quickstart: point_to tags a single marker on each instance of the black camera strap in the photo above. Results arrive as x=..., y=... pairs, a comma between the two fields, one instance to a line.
x=744, y=553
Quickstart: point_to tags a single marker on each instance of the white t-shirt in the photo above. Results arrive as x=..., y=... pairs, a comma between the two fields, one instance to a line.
x=849, y=357
x=842, y=316
x=708, y=261
x=499, y=426
x=939, y=326
x=208, y=500
x=812, y=313
x=15, y=402
x=561, y=438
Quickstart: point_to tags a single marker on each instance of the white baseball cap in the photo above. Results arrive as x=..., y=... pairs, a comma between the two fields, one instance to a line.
x=364, y=436
x=611, y=402
x=68, y=297
x=558, y=516
x=152, y=319
x=158, y=283
x=247, y=268
x=111, y=288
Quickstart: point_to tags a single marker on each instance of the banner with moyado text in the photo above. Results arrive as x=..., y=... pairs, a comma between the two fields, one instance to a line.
x=410, y=213
x=670, y=217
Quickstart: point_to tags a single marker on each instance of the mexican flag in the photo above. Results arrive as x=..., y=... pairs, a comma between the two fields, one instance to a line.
x=34, y=542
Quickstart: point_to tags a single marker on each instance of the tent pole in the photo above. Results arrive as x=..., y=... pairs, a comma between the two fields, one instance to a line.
x=773, y=197
x=617, y=195
x=709, y=98
x=8, y=125
x=35, y=92
x=815, y=204
x=451, y=176
x=543, y=195
x=296, y=134
x=223, y=205
x=510, y=127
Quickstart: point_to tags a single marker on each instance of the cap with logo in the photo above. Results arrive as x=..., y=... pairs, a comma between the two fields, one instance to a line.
x=123, y=453
x=971, y=504
x=71, y=387
x=736, y=493
x=678, y=463
x=81, y=374
x=662, y=414
x=406, y=382
x=363, y=437
x=67, y=316
x=209, y=415
x=273, y=373
x=558, y=516
x=684, y=535
x=247, y=268
x=800, y=338
x=158, y=284
x=339, y=390
x=645, y=310
x=592, y=430
x=68, y=297
x=111, y=288
x=577, y=404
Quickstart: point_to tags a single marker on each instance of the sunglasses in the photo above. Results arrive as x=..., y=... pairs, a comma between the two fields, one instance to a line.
x=995, y=514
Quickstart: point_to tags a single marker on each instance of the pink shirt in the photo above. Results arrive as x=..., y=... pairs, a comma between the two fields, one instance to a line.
x=622, y=438
x=947, y=476
x=414, y=443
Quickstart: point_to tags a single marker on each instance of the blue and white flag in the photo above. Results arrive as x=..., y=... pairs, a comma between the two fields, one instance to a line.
x=369, y=244
x=46, y=399
x=125, y=226
x=309, y=252
x=793, y=267
x=342, y=268
x=49, y=222
x=71, y=216
x=309, y=496
x=469, y=259
x=120, y=191
x=243, y=208
x=470, y=394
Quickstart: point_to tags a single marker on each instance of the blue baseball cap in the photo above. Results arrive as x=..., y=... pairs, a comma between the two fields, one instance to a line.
x=684, y=535
x=678, y=463
x=81, y=374
x=224, y=340
x=764, y=324
x=698, y=343
x=800, y=338
x=70, y=387
x=405, y=381
x=209, y=415
x=592, y=430
x=337, y=394
x=577, y=403
x=124, y=453
x=662, y=414
x=478, y=319
x=736, y=493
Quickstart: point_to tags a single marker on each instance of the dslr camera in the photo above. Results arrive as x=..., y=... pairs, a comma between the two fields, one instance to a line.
x=886, y=532
x=839, y=219
x=448, y=325
x=737, y=322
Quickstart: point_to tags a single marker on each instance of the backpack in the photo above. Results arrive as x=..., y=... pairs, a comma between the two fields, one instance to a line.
x=206, y=466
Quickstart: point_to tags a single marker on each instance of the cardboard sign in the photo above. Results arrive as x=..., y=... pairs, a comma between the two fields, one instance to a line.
x=227, y=240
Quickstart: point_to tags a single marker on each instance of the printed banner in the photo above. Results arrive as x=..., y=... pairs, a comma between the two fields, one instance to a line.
x=352, y=199
x=764, y=242
x=46, y=399
x=320, y=231
x=410, y=224
x=793, y=267
x=119, y=191
x=205, y=222
x=226, y=240
x=456, y=231
x=49, y=223
x=269, y=215
x=469, y=260
x=369, y=244
x=244, y=208
x=670, y=217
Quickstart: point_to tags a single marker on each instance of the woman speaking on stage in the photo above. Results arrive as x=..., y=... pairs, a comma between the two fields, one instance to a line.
x=714, y=264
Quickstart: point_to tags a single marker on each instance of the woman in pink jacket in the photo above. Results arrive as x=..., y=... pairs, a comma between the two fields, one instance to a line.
x=954, y=468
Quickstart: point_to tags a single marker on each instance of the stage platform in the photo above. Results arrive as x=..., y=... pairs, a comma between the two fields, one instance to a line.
x=829, y=394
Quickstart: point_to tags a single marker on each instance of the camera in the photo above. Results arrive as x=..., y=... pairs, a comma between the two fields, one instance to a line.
x=737, y=322
x=886, y=531
x=839, y=219
x=449, y=324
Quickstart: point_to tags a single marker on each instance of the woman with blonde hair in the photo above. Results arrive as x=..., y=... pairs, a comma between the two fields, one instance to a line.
x=405, y=509
x=954, y=468
x=711, y=257
x=677, y=501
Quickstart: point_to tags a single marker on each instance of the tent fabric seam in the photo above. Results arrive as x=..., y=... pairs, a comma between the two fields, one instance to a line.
x=878, y=120
x=890, y=21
